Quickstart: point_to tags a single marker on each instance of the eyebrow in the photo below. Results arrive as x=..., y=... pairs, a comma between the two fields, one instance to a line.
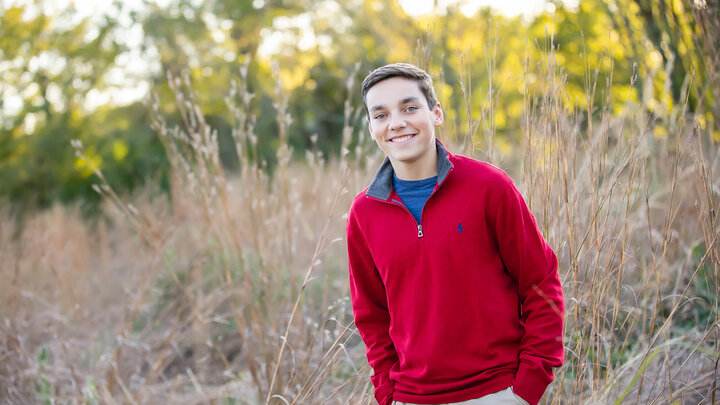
x=409, y=100
x=403, y=101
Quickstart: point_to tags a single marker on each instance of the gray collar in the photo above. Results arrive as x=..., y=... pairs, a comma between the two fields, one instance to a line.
x=382, y=185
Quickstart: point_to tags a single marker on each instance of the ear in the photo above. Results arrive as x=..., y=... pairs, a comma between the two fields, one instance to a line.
x=438, y=114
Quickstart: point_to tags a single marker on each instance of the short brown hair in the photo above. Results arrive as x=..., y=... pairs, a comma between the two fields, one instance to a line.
x=404, y=70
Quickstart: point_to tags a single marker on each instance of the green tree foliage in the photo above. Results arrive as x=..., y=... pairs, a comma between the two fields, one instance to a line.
x=211, y=41
x=684, y=34
x=485, y=65
x=51, y=69
x=52, y=66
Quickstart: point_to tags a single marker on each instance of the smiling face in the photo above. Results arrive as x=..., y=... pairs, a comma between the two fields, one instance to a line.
x=403, y=125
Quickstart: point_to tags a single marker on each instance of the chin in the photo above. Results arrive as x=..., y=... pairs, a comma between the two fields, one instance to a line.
x=407, y=158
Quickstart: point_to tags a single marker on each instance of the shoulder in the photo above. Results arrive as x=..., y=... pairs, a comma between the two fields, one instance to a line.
x=359, y=205
x=359, y=199
x=470, y=169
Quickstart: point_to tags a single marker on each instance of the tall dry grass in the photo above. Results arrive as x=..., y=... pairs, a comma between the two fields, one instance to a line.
x=234, y=288
x=633, y=220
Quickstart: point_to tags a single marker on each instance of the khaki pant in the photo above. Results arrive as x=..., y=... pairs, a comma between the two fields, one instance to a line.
x=504, y=397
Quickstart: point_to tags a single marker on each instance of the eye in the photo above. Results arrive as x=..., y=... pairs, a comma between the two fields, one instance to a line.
x=411, y=108
x=379, y=116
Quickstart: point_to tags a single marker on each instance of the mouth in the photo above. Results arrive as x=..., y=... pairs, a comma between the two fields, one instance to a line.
x=402, y=138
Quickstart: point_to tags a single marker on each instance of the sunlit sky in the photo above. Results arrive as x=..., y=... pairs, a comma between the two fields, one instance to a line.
x=126, y=80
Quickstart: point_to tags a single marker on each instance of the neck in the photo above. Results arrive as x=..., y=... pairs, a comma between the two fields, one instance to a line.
x=423, y=168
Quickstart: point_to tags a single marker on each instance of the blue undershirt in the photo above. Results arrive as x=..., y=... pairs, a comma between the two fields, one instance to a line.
x=414, y=193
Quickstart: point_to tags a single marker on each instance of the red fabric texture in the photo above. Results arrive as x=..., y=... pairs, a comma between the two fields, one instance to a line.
x=472, y=307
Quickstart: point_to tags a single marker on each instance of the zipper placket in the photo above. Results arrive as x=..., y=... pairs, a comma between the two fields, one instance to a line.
x=420, y=231
x=419, y=225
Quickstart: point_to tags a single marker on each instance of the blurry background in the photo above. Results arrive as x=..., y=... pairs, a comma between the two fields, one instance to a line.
x=82, y=70
x=174, y=177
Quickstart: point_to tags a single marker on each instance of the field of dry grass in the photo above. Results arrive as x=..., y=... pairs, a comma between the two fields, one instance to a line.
x=234, y=288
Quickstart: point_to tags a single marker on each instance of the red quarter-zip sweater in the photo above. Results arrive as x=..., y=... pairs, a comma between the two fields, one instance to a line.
x=467, y=302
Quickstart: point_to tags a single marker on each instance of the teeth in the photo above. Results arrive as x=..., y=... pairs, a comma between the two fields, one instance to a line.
x=401, y=138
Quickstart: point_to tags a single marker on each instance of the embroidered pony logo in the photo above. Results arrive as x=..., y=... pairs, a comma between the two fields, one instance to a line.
x=460, y=228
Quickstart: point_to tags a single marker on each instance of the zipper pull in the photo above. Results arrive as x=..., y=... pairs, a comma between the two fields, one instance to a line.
x=420, y=234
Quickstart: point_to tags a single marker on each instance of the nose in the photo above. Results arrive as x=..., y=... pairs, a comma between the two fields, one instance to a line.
x=397, y=122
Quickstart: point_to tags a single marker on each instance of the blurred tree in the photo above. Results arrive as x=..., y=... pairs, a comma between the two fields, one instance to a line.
x=208, y=42
x=684, y=34
x=315, y=44
x=57, y=73
x=55, y=68
x=53, y=65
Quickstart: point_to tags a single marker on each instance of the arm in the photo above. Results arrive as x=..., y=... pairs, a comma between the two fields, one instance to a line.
x=372, y=319
x=533, y=264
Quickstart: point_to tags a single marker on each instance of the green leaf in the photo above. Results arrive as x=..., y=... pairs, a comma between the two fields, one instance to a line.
x=43, y=357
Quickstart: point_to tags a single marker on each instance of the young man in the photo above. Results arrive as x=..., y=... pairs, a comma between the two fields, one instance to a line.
x=454, y=290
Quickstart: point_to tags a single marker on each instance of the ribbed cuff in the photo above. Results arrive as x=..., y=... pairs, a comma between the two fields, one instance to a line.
x=529, y=385
x=384, y=394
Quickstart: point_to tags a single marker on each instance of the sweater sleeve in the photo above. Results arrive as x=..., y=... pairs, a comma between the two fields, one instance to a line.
x=372, y=319
x=533, y=264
